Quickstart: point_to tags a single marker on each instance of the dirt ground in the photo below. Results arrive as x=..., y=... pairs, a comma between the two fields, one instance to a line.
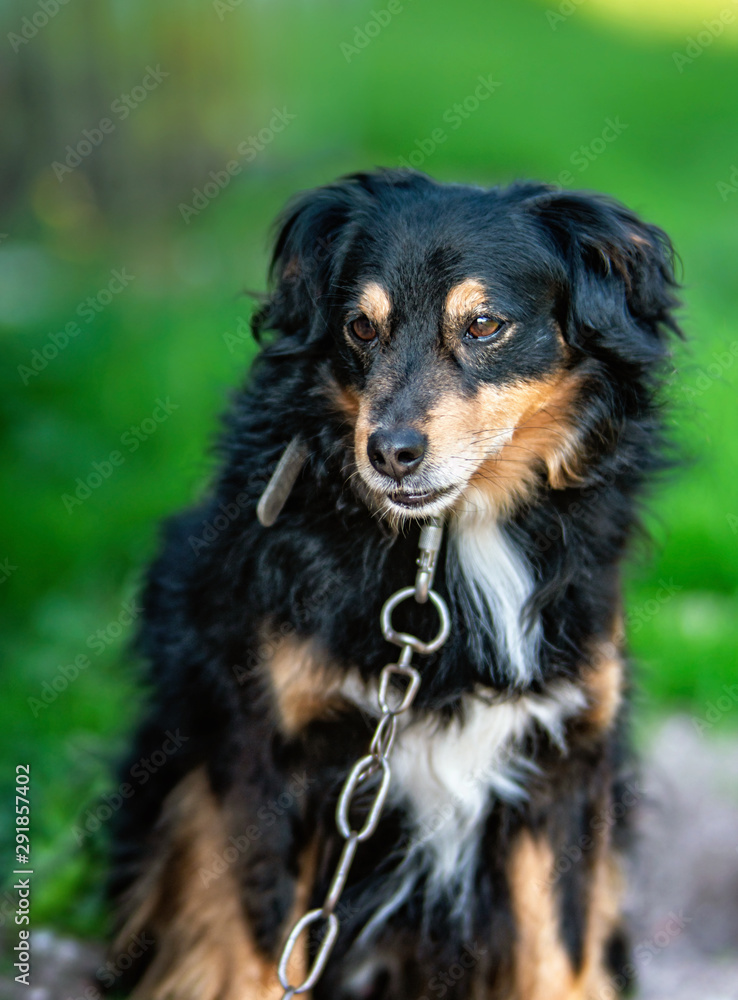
x=683, y=895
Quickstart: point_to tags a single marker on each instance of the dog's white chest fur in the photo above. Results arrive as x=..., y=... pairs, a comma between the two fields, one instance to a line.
x=446, y=778
x=499, y=581
x=449, y=774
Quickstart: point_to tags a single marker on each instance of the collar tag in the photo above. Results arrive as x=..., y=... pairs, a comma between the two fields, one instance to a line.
x=282, y=480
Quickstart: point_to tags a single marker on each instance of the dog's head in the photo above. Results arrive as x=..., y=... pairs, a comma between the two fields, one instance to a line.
x=475, y=338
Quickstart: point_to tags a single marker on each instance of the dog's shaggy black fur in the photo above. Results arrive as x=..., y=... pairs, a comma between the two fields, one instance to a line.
x=547, y=428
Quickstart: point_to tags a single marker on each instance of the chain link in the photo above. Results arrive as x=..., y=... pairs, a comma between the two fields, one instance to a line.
x=393, y=701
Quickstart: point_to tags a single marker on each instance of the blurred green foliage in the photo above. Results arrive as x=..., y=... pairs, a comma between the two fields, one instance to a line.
x=361, y=93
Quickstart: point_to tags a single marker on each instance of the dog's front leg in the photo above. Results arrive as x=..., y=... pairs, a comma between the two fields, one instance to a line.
x=213, y=900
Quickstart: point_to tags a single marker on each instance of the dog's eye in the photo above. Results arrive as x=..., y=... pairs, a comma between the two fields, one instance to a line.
x=363, y=329
x=484, y=328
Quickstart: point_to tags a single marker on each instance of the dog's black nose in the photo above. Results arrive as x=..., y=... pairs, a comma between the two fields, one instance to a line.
x=397, y=452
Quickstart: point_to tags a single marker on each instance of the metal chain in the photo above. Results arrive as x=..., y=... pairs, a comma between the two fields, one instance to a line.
x=393, y=701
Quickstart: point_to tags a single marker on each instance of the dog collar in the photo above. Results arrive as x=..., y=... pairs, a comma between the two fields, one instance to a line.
x=281, y=482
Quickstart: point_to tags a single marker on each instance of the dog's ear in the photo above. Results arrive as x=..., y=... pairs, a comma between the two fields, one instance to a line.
x=309, y=247
x=619, y=295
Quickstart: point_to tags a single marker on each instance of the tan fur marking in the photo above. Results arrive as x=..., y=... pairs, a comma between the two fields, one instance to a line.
x=544, y=435
x=543, y=969
x=204, y=948
x=362, y=432
x=603, y=683
x=305, y=688
x=639, y=239
x=375, y=303
x=463, y=299
x=492, y=411
x=345, y=400
x=604, y=915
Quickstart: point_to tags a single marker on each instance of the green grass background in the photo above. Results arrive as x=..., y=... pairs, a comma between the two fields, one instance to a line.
x=173, y=331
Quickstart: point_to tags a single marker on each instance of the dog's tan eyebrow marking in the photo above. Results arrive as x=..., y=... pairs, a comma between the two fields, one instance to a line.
x=463, y=299
x=375, y=303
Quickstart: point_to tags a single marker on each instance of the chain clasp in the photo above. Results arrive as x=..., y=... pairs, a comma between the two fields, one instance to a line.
x=431, y=536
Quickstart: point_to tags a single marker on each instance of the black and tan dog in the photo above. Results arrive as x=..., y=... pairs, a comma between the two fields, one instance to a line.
x=492, y=356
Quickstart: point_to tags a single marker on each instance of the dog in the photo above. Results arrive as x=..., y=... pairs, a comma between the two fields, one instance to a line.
x=492, y=358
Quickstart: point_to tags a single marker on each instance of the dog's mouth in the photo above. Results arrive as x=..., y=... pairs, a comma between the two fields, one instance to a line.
x=413, y=499
x=420, y=503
